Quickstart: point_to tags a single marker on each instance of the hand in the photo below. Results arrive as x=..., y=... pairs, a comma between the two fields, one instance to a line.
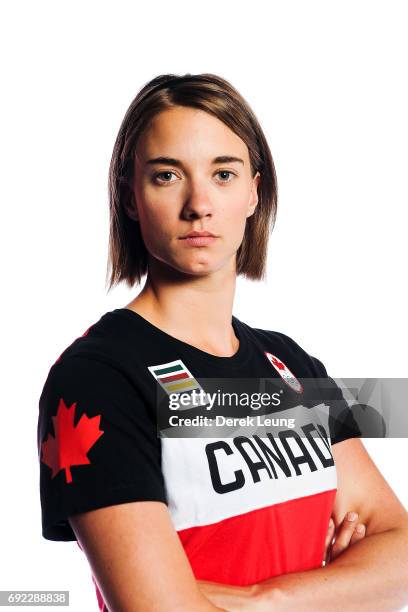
x=348, y=532
x=233, y=598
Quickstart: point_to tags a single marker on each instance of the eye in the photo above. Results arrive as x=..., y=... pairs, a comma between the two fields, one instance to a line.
x=164, y=173
x=226, y=172
x=163, y=177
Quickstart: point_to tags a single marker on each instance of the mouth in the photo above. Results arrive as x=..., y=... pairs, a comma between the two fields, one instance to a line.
x=198, y=238
x=198, y=241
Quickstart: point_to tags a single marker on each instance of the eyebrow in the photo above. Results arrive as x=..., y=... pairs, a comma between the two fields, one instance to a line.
x=170, y=161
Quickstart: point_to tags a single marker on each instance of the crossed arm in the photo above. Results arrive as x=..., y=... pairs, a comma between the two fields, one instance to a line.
x=139, y=563
x=371, y=575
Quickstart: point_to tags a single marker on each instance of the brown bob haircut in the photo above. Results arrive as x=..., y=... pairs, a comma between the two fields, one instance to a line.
x=128, y=257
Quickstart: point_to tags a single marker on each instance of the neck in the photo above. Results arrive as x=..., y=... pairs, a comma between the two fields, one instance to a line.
x=194, y=309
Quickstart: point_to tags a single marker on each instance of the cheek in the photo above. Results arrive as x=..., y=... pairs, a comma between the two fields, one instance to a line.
x=159, y=207
x=157, y=227
x=156, y=218
x=235, y=215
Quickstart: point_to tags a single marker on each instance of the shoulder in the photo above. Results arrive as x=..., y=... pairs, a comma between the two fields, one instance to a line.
x=94, y=367
x=285, y=347
x=83, y=372
x=78, y=385
x=104, y=340
x=80, y=390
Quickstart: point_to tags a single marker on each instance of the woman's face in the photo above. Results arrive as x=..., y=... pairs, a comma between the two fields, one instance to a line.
x=192, y=190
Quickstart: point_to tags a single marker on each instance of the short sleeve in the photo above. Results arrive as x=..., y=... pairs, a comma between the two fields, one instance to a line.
x=342, y=424
x=97, y=443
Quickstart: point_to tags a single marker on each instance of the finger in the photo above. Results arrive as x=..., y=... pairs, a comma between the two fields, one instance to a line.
x=344, y=534
x=330, y=533
x=328, y=542
x=358, y=533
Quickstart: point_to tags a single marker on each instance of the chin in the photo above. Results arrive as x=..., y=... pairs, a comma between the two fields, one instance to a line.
x=198, y=270
x=195, y=268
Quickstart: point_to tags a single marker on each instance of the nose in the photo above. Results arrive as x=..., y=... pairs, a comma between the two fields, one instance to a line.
x=198, y=202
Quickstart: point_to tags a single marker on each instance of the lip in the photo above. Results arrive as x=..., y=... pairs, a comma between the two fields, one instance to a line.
x=199, y=241
x=196, y=234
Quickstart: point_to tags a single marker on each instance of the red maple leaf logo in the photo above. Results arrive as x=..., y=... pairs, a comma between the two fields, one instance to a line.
x=71, y=443
x=278, y=363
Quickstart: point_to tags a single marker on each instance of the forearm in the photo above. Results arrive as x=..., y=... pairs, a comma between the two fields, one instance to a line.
x=371, y=575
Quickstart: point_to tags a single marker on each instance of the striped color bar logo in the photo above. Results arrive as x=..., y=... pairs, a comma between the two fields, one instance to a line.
x=175, y=377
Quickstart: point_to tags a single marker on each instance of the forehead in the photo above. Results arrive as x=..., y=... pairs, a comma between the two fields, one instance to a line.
x=185, y=132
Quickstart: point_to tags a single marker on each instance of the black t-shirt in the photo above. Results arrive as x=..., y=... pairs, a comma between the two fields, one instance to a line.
x=233, y=500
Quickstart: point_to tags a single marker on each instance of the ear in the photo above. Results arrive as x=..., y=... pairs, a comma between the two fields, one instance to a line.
x=131, y=208
x=253, y=200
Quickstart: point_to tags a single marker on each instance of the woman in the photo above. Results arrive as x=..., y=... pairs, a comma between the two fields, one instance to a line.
x=212, y=522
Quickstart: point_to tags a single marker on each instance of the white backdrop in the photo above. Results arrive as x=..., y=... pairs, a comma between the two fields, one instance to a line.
x=328, y=83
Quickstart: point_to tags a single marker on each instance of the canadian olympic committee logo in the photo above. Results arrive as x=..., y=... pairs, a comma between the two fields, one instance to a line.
x=283, y=370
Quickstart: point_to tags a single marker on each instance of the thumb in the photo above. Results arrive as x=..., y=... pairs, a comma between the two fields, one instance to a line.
x=328, y=540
